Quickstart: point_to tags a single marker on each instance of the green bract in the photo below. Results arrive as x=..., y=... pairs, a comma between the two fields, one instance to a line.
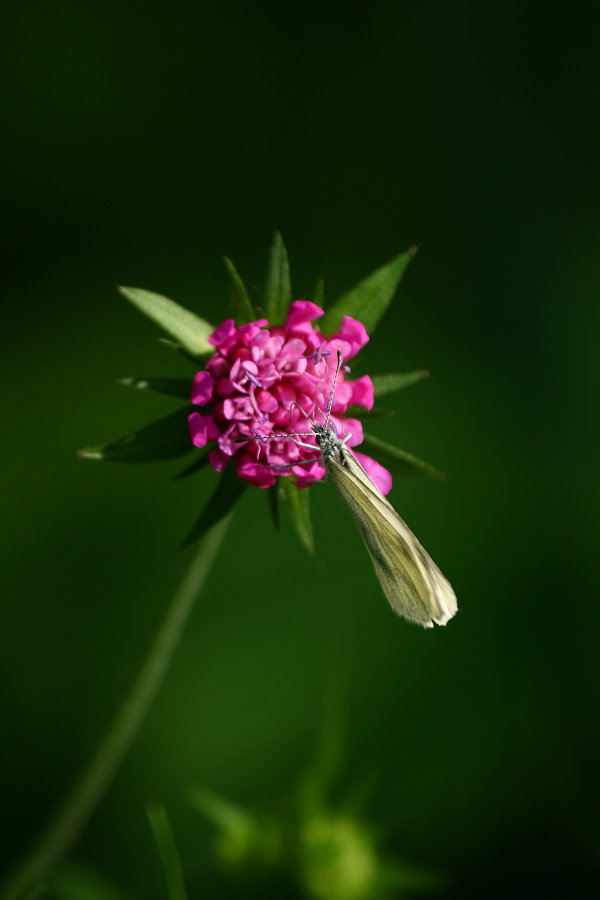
x=368, y=301
x=164, y=439
x=243, y=311
x=186, y=327
x=278, y=291
x=398, y=461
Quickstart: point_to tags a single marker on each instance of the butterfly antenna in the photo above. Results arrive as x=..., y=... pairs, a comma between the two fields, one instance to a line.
x=332, y=394
x=299, y=408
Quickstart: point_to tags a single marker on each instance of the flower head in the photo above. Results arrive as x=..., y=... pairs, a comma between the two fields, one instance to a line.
x=264, y=381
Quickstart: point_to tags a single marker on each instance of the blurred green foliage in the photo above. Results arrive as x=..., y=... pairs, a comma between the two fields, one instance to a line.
x=143, y=142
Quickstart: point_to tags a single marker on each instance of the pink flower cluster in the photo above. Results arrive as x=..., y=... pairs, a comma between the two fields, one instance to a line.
x=259, y=381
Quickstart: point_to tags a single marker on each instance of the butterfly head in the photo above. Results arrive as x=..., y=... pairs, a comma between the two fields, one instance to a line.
x=326, y=440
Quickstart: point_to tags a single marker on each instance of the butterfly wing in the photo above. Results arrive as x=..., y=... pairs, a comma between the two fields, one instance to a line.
x=413, y=584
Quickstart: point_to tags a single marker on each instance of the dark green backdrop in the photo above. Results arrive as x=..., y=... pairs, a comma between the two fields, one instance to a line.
x=141, y=143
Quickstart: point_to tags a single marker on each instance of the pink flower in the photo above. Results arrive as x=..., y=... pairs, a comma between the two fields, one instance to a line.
x=259, y=381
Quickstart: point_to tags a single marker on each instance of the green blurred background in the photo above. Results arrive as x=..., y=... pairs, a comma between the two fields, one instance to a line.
x=143, y=142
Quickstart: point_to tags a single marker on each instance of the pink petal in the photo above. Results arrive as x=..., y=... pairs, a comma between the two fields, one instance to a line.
x=218, y=366
x=292, y=349
x=202, y=388
x=281, y=416
x=305, y=384
x=350, y=426
x=217, y=459
x=278, y=458
x=343, y=395
x=224, y=331
x=285, y=393
x=268, y=344
x=354, y=332
x=300, y=313
x=226, y=445
x=380, y=476
x=255, y=473
x=309, y=474
x=202, y=429
x=249, y=331
x=229, y=409
x=225, y=387
x=266, y=402
x=362, y=392
x=345, y=347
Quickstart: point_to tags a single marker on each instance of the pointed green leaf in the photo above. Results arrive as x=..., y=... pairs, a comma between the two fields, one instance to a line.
x=167, y=848
x=175, y=387
x=243, y=311
x=298, y=501
x=278, y=291
x=368, y=301
x=195, y=360
x=228, y=491
x=164, y=439
x=318, y=297
x=387, y=384
x=399, y=462
x=190, y=330
x=358, y=412
x=196, y=466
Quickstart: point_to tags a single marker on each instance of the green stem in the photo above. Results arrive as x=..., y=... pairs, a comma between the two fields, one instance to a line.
x=87, y=792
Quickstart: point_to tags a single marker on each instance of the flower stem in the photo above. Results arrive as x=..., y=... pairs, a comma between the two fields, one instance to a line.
x=72, y=818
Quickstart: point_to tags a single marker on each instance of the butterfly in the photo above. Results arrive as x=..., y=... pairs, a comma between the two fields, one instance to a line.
x=411, y=581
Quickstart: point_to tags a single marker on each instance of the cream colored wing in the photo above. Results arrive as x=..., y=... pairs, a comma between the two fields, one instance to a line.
x=413, y=584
